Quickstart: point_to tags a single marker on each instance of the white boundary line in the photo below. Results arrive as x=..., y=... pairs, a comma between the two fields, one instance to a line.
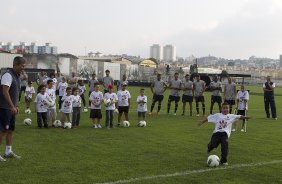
x=184, y=173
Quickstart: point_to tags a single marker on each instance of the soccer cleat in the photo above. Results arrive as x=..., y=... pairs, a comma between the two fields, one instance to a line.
x=12, y=155
x=233, y=130
x=149, y=113
x=158, y=113
x=2, y=159
x=95, y=126
x=274, y=118
x=99, y=126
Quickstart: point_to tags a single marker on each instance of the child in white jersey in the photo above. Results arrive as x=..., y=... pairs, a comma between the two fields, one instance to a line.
x=223, y=123
x=82, y=89
x=42, y=101
x=111, y=106
x=123, y=102
x=96, y=99
x=142, y=105
x=62, y=86
x=29, y=91
x=242, y=107
x=66, y=110
x=76, y=107
x=51, y=92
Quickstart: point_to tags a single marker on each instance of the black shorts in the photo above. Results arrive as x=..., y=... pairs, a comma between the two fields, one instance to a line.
x=241, y=112
x=23, y=88
x=230, y=102
x=57, y=92
x=95, y=113
x=158, y=98
x=122, y=109
x=187, y=98
x=199, y=99
x=216, y=99
x=7, y=120
x=174, y=98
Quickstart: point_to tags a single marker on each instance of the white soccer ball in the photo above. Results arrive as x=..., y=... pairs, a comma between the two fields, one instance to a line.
x=27, y=121
x=126, y=124
x=107, y=101
x=57, y=123
x=67, y=125
x=85, y=110
x=27, y=111
x=142, y=124
x=213, y=161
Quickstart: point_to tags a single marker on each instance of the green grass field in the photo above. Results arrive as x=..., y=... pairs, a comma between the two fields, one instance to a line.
x=169, y=144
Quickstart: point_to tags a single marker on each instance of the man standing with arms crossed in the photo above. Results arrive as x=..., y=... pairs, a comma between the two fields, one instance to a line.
x=268, y=89
x=9, y=97
x=230, y=93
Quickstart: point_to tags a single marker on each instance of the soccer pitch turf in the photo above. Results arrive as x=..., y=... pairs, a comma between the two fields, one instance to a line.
x=171, y=149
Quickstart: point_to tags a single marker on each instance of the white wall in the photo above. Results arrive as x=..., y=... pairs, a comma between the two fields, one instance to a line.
x=6, y=60
x=114, y=69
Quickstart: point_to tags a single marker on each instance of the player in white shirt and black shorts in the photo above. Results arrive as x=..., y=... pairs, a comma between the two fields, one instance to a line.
x=199, y=88
x=187, y=86
x=123, y=102
x=242, y=107
x=96, y=99
x=175, y=87
x=223, y=123
x=215, y=87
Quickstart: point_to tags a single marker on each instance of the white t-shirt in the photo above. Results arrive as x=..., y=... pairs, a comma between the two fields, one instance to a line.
x=113, y=97
x=123, y=97
x=223, y=123
x=54, y=82
x=42, y=102
x=6, y=79
x=29, y=91
x=67, y=102
x=96, y=98
x=142, y=107
x=76, y=101
x=52, y=94
x=81, y=89
x=62, y=88
x=243, y=97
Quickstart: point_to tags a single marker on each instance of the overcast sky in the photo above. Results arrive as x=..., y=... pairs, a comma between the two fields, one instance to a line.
x=223, y=28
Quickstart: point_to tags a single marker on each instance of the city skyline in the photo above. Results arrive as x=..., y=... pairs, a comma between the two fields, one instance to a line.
x=229, y=29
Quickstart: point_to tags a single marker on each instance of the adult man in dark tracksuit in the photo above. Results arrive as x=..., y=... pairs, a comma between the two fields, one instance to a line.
x=268, y=88
x=9, y=97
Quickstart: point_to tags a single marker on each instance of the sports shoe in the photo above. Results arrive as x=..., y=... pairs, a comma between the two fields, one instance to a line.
x=12, y=155
x=99, y=126
x=233, y=130
x=95, y=126
x=174, y=114
x=158, y=113
x=242, y=130
x=225, y=164
x=274, y=118
x=2, y=159
x=198, y=115
x=149, y=113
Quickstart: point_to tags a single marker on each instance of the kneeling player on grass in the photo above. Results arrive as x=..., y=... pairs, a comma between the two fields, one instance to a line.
x=223, y=123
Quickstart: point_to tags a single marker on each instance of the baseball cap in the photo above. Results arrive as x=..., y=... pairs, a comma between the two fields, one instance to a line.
x=110, y=86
